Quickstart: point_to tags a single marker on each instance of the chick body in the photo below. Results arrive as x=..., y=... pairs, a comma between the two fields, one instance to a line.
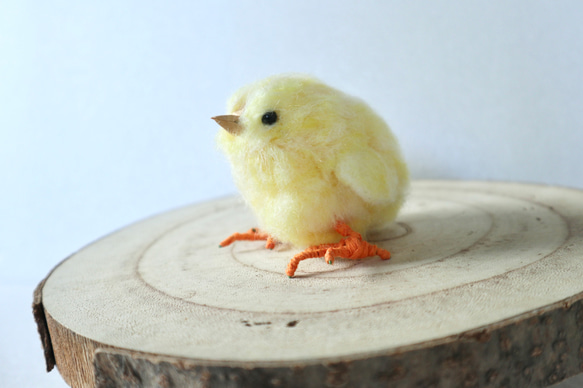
x=328, y=157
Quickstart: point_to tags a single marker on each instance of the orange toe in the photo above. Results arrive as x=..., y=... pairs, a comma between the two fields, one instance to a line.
x=309, y=253
x=270, y=243
x=251, y=235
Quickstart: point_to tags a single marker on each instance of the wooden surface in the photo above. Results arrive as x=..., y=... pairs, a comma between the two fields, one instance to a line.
x=484, y=289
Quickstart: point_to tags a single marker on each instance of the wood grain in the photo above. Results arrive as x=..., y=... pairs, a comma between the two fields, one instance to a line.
x=484, y=289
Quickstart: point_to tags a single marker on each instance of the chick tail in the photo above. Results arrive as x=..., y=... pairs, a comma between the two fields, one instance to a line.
x=352, y=246
x=251, y=235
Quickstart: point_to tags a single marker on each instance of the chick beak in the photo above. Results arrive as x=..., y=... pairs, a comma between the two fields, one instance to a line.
x=230, y=123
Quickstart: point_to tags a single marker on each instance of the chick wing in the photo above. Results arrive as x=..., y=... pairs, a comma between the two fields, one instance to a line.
x=369, y=175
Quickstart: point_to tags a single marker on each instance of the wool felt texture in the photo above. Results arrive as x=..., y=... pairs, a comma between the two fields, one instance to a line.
x=305, y=155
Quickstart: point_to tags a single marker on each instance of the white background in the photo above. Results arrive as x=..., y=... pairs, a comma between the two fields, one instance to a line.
x=105, y=107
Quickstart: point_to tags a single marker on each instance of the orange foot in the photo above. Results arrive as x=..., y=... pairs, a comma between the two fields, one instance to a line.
x=352, y=246
x=252, y=235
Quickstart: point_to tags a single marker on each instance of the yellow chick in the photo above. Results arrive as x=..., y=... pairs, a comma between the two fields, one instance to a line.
x=318, y=167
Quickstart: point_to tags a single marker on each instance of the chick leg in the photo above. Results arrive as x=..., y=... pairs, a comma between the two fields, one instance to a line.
x=352, y=246
x=251, y=235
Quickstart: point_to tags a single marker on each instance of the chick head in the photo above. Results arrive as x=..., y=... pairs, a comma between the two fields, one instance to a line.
x=282, y=111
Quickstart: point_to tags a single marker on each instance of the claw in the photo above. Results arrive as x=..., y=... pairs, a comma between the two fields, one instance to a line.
x=329, y=257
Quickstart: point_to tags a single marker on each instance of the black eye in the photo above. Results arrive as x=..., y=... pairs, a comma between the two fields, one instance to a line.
x=269, y=118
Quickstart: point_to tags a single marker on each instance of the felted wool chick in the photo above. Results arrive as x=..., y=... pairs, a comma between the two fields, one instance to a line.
x=318, y=167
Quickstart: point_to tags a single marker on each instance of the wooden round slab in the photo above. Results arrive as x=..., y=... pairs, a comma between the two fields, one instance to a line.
x=484, y=288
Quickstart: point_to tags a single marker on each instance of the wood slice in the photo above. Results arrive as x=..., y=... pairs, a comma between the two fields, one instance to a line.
x=485, y=288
